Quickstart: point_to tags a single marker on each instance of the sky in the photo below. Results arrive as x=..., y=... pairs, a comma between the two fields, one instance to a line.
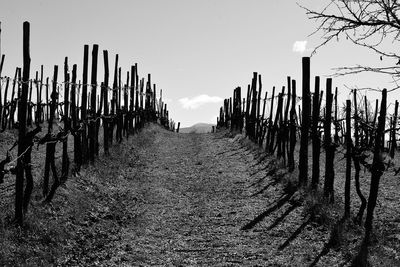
x=197, y=51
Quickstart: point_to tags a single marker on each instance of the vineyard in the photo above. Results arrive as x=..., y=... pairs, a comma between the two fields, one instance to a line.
x=359, y=138
x=69, y=114
x=98, y=174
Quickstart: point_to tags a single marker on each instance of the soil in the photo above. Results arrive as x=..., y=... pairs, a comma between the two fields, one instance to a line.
x=168, y=199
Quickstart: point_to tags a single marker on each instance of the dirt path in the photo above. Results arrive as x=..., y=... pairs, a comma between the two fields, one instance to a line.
x=194, y=193
x=168, y=199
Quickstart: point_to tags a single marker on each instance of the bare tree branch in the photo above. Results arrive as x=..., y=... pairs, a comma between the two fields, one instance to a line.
x=372, y=24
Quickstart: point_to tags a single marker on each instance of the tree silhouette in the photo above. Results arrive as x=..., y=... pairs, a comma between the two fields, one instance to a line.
x=373, y=24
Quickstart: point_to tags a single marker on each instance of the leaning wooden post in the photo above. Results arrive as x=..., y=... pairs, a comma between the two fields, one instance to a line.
x=305, y=123
x=179, y=125
x=22, y=109
x=316, y=143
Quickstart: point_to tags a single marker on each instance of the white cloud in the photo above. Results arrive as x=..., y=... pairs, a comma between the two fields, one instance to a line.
x=197, y=101
x=300, y=46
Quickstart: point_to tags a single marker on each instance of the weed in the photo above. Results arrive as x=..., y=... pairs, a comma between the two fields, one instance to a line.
x=316, y=207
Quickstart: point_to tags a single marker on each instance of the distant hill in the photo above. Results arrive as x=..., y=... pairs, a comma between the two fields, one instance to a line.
x=198, y=128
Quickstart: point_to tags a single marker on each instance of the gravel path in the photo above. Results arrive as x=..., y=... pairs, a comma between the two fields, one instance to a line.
x=195, y=192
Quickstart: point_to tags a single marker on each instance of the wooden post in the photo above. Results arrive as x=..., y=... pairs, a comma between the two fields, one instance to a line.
x=247, y=116
x=40, y=112
x=305, y=123
x=253, y=113
x=118, y=136
x=258, y=134
x=356, y=119
x=65, y=159
x=292, y=129
x=348, y=161
x=263, y=123
x=105, y=86
x=329, y=147
x=29, y=118
x=126, y=106
x=141, y=102
x=37, y=117
x=22, y=109
x=1, y=69
x=93, y=136
x=285, y=138
x=75, y=125
x=316, y=143
x=114, y=98
x=137, y=108
x=278, y=127
x=47, y=100
x=366, y=131
x=1, y=103
x=154, y=97
x=336, y=136
x=179, y=125
x=131, y=99
x=240, y=113
x=270, y=128
x=393, y=145
x=4, y=115
x=372, y=136
x=84, y=101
